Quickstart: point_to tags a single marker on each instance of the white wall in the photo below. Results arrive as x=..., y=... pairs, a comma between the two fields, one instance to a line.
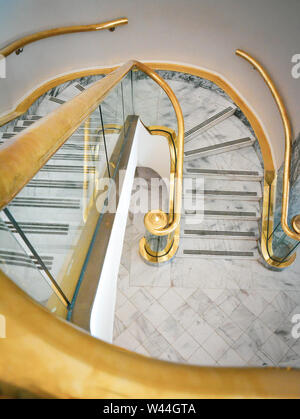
x=102, y=317
x=154, y=152
x=198, y=32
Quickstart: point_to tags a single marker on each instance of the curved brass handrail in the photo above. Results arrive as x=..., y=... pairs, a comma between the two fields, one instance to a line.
x=62, y=361
x=288, y=144
x=151, y=227
x=25, y=155
x=20, y=43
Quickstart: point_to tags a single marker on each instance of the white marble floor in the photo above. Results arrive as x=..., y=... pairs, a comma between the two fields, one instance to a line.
x=208, y=311
x=205, y=311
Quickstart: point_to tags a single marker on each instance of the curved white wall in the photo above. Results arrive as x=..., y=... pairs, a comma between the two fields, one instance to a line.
x=198, y=32
x=158, y=158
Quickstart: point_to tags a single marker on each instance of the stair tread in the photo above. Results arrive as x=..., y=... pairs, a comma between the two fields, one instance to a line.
x=219, y=228
x=229, y=128
x=206, y=124
x=220, y=146
x=220, y=253
x=70, y=91
x=242, y=158
x=193, y=247
x=221, y=192
x=218, y=232
x=196, y=171
x=221, y=208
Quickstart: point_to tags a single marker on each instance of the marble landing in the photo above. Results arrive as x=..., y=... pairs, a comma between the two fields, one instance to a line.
x=206, y=312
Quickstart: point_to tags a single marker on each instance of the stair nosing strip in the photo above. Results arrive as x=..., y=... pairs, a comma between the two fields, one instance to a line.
x=223, y=172
x=225, y=193
x=217, y=253
x=220, y=233
x=207, y=121
x=236, y=213
x=217, y=146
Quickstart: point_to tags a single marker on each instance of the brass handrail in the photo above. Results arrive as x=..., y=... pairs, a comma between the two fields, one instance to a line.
x=26, y=154
x=288, y=145
x=20, y=43
x=163, y=231
x=49, y=357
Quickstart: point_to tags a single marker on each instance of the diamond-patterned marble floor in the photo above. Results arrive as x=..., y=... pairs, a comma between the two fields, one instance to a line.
x=206, y=312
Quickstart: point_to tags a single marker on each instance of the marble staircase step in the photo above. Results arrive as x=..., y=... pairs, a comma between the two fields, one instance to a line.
x=41, y=209
x=78, y=142
x=70, y=92
x=233, y=175
x=222, y=189
x=47, y=236
x=93, y=123
x=217, y=249
x=220, y=229
x=81, y=131
x=93, y=127
x=223, y=147
x=49, y=104
x=221, y=209
x=55, y=188
x=35, y=117
x=208, y=123
x=67, y=169
x=222, y=195
x=242, y=159
x=18, y=259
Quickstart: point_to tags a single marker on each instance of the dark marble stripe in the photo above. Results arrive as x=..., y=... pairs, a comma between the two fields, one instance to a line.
x=222, y=172
x=207, y=122
x=220, y=213
x=56, y=100
x=217, y=192
x=218, y=146
x=217, y=253
x=220, y=233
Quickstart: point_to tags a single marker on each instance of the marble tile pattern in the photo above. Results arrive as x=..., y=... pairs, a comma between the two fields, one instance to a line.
x=197, y=311
x=206, y=312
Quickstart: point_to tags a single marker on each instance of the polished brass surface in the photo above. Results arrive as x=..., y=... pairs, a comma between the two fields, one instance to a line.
x=163, y=256
x=81, y=312
x=173, y=238
x=53, y=360
x=296, y=223
x=46, y=355
x=269, y=168
x=179, y=149
x=237, y=99
x=26, y=154
x=266, y=242
x=24, y=105
x=210, y=75
x=216, y=78
x=20, y=43
x=156, y=219
x=288, y=142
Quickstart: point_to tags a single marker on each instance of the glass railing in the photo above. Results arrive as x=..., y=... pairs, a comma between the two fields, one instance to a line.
x=281, y=212
x=55, y=210
x=27, y=270
x=158, y=114
x=281, y=247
